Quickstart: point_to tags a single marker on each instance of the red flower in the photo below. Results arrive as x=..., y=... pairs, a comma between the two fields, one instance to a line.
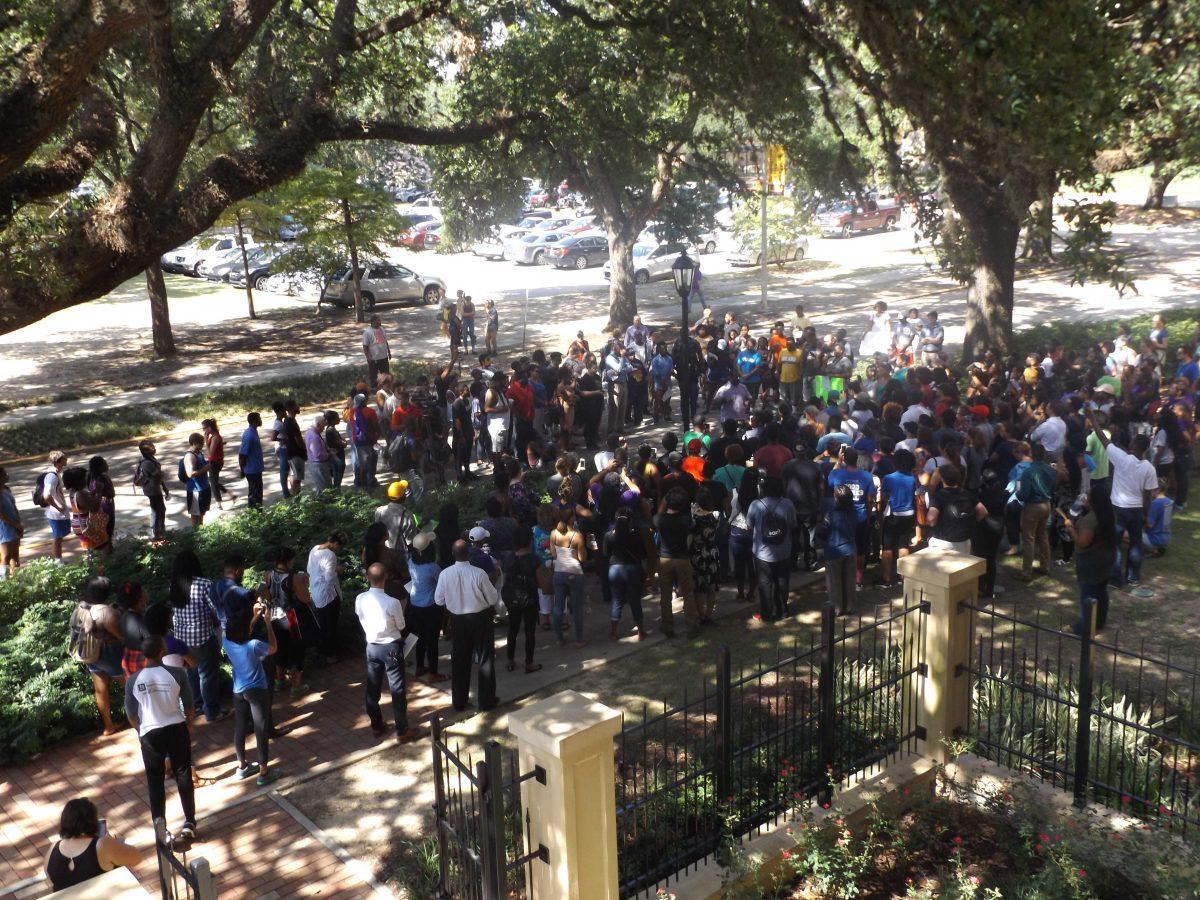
x=824, y=806
x=958, y=840
x=1125, y=798
x=1082, y=873
x=1044, y=838
x=787, y=854
x=1038, y=848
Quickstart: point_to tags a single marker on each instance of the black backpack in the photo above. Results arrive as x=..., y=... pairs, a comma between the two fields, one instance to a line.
x=774, y=528
x=39, y=491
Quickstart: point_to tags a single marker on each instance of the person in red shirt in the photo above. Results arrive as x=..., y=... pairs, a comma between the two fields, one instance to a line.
x=520, y=396
x=772, y=455
x=405, y=412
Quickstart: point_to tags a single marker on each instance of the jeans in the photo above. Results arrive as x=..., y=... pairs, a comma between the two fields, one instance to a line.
x=364, y=468
x=337, y=466
x=158, y=745
x=773, y=588
x=521, y=616
x=567, y=583
x=386, y=660
x=1093, y=590
x=158, y=514
x=253, y=705
x=254, y=490
x=805, y=546
x=1035, y=536
x=1132, y=521
x=206, y=677
x=839, y=580
x=327, y=618
x=626, y=580
x=283, y=473
x=1183, y=469
x=740, y=548
x=677, y=574
x=468, y=331
x=426, y=623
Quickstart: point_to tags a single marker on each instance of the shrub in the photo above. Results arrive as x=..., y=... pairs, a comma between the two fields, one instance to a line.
x=47, y=697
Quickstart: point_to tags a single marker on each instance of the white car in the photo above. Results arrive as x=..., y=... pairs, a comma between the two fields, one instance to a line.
x=777, y=254
x=232, y=265
x=381, y=282
x=292, y=283
x=555, y=223
x=216, y=266
x=191, y=256
x=492, y=246
x=705, y=243
x=529, y=249
x=651, y=260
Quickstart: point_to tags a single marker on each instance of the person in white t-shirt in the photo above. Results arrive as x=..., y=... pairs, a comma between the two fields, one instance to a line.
x=1133, y=484
x=1052, y=433
x=375, y=349
x=58, y=513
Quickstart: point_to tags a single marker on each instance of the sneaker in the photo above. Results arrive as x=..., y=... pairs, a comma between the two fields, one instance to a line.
x=247, y=770
x=271, y=777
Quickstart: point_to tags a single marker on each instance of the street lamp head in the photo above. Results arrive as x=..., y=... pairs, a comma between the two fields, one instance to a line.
x=683, y=271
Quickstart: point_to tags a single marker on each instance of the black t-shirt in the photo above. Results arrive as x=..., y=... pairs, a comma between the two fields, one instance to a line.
x=802, y=485
x=590, y=381
x=956, y=514
x=673, y=531
x=628, y=551
x=520, y=587
x=461, y=410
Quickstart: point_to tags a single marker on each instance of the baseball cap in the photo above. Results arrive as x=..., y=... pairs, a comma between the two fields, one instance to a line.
x=980, y=411
x=1105, y=388
x=422, y=540
x=479, y=533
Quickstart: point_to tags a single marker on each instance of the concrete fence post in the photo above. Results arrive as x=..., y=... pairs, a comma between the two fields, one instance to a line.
x=575, y=812
x=943, y=579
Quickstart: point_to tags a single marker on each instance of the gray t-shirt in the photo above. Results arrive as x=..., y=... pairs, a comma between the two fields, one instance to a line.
x=758, y=517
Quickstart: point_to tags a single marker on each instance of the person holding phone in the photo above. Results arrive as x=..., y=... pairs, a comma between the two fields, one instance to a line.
x=84, y=849
x=251, y=690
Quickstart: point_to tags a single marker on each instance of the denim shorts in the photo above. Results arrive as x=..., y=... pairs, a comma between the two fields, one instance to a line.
x=60, y=528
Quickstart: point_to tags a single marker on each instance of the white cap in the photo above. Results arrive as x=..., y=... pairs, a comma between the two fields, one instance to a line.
x=478, y=533
x=422, y=540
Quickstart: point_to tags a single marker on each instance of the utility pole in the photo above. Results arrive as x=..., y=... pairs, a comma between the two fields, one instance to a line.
x=762, y=247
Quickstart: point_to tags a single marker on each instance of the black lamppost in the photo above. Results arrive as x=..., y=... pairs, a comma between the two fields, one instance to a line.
x=683, y=271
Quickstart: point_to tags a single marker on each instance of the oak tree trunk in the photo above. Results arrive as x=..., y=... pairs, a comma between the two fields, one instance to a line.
x=1161, y=176
x=990, y=290
x=245, y=267
x=355, y=275
x=622, y=289
x=160, y=314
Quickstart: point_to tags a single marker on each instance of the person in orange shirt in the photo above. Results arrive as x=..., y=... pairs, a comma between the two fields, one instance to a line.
x=693, y=463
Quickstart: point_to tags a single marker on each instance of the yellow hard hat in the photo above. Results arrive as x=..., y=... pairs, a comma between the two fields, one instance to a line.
x=397, y=490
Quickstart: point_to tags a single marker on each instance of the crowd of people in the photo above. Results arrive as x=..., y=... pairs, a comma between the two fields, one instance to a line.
x=797, y=458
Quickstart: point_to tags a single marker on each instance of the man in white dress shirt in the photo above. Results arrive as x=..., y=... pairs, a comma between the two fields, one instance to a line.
x=382, y=620
x=471, y=599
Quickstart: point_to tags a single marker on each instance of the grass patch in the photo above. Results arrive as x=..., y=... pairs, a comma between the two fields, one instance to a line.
x=124, y=423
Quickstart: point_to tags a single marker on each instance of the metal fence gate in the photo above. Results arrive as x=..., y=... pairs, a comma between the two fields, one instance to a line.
x=482, y=827
x=179, y=879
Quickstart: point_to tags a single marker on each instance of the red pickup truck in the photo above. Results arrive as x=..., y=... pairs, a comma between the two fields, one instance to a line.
x=845, y=218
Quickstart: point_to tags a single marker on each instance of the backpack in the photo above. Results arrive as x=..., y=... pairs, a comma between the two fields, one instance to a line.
x=358, y=428
x=140, y=478
x=960, y=510
x=85, y=643
x=39, y=491
x=774, y=527
x=181, y=474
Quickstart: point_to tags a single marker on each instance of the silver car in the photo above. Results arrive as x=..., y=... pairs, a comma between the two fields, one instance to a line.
x=777, y=254
x=231, y=264
x=530, y=249
x=381, y=282
x=652, y=261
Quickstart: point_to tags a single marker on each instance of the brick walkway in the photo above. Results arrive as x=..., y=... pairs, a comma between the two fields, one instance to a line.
x=275, y=856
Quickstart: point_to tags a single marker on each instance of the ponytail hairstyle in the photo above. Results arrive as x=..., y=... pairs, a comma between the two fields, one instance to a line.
x=843, y=498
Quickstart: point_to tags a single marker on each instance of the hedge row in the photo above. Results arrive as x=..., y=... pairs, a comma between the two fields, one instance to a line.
x=125, y=423
x=45, y=697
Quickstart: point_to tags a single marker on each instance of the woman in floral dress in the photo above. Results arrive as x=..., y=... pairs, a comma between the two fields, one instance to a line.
x=705, y=558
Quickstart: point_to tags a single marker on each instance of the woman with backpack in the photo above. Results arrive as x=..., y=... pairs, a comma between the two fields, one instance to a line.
x=101, y=487
x=772, y=520
x=286, y=595
x=953, y=512
x=149, y=477
x=96, y=641
x=11, y=529
x=740, y=538
x=88, y=521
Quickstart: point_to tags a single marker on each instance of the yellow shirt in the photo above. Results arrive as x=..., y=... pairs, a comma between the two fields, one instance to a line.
x=791, y=366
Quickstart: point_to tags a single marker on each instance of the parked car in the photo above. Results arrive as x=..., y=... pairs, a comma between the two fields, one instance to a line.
x=578, y=251
x=290, y=229
x=291, y=283
x=492, y=246
x=381, y=282
x=528, y=250
x=410, y=193
x=846, y=218
x=221, y=269
x=705, y=243
x=777, y=254
x=533, y=216
x=538, y=197
x=423, y=235
x=426, y=203
x=260, y=268
x=651, y=260
x=191, y=256
x=582, y=224
x=555, y=223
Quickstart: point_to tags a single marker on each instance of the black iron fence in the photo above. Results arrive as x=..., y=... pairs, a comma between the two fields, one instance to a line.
x=482, y=827
x=180, y=879
x=755, y=743
x=1107, y=722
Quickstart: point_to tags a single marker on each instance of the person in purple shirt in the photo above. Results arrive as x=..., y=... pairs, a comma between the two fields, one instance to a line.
x=320, y=469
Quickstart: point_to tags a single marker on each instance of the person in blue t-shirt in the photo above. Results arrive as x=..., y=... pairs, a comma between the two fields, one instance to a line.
x=251, y=692
x=862, y=489
x=1157, y=534
x=250, y=460
x=900, y=514
x=1188, y=368
x=750, y=364
x=837, y=532
x=195, y=470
